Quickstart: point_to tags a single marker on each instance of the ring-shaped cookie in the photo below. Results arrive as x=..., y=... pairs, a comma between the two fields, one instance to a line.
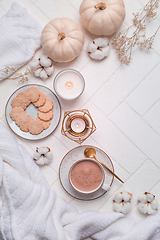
x=23, y=120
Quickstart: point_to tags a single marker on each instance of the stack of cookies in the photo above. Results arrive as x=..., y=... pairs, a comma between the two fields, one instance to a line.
x=23, y=120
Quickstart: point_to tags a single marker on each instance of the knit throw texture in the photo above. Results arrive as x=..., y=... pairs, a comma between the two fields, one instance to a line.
x=30, y=210
x=19, y=39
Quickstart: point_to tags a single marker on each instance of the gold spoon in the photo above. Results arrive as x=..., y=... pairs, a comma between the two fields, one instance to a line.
x=91, y=153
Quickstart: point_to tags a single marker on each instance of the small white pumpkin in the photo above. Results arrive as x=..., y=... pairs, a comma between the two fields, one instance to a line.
x=62, y=40
x=102, y=17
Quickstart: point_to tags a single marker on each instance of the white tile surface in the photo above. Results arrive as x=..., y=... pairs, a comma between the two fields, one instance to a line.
x=138, y=131
x=124, y=101
x=153, y=117
x=115, y=142
x=146, y=94
x=124, y=80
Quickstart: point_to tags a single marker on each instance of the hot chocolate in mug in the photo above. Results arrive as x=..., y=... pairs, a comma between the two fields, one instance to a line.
x=87, y=176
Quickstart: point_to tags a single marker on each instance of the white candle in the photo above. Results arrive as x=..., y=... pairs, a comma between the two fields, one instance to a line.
x=78, y=125
x=69, y=84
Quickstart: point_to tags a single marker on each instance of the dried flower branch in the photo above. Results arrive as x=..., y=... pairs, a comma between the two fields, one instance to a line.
x=22, y=77
x=124, y=45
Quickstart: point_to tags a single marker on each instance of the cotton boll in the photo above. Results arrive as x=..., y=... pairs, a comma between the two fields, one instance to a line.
x=49, y=156
x=99, y=48
x=41, y=161
x=37, y=72
x=42, y=67
x=49, y=70
x=143, y=198
x=150, y=210
x=91, y=47
x=43, y=75
x=98, y=55
x=106, y=51
x=35, y=155
x=126, y=196
x=118, y=197
x=45, y=61
x=43, y=150
x=150, y=197
x=101, y=42
x=34, y=64
x=147, y=203
x=42, y=155
x=155, y=204
x=122, y=202
x=117, y=207
x=126, y=207
x=142, y=208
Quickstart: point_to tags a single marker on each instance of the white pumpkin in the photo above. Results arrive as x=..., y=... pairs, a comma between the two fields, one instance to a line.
x=102, y=17
x=62, y=40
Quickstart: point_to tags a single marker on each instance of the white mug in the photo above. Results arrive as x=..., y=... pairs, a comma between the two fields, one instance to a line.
x=87, y=176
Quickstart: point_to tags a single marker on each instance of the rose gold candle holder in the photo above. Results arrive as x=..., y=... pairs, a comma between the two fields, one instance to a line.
x=67, y=130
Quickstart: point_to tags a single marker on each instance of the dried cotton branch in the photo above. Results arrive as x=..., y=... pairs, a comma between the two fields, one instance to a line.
x=124, y=44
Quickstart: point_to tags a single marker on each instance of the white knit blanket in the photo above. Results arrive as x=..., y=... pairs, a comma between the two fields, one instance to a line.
x=19, y=38
x=30, y=210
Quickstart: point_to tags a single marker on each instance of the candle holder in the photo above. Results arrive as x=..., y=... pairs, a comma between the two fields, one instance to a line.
x=77, y=125
x=69, y=84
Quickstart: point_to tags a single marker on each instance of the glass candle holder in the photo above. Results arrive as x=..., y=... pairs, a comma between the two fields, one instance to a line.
x=77, y=125
x=69, y=84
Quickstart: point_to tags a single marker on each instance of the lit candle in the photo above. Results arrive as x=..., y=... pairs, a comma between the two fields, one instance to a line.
x=69, y=84
x=78, y=125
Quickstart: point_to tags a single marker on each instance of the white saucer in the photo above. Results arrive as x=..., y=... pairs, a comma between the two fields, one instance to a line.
x=77, y=154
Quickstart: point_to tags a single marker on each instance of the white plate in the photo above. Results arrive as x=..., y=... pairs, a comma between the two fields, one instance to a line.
x=32, y=111
x=75, y=155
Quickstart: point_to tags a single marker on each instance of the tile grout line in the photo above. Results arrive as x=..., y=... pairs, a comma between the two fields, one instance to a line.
x=124, y=99
x=113, y=158
x=134, y=144
x=101, y=85
x=131, y=174
x=40, y=10
x=3, y=8
x=151, y=107
x=128, y=140
x=141, y=116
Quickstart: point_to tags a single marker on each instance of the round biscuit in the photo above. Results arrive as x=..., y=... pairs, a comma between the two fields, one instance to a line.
x=20, y=118
x=47, y=106
x=15, y=112
x=18, y=102
x=34, y=94
x=35, y=126
x=46, y=124
x=41, y=101
x=25, y=97
x=25, y=122
x=45, y=116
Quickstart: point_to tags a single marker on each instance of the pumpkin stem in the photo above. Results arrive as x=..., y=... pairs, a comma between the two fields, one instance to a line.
x=61, y=36
x=100, y=6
